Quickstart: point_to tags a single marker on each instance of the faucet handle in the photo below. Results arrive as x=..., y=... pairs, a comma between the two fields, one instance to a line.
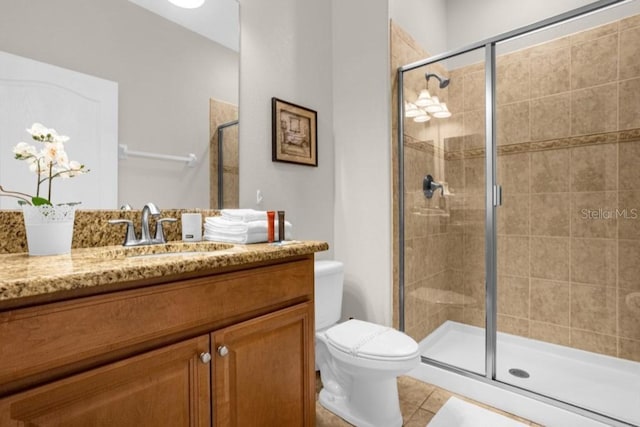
x=130, y=238
x=159, y=238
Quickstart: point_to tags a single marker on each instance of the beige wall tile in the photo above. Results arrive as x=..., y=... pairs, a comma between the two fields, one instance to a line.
x=454, y=175
x=628, y=265
x=549, y=332
x=451, y=129
x=473, y=253
x=629, y=104
x=629, y=314
x=629, y=173
x=550, y=71
x=550, y=214
x=629, y=214
x=632, y=21
x=474, y=317
x=513, y=123
x=594, y=62
x=513, y=255
x=512, y=79
x=415, y=255
x=513, y=215
x=629, y=349
x=513, y=173
x=550, y=117
x=437, y=253
x=455, y=95
x=629, y=58
x=594, y=168
x=594, y=33
x=513, y=325
x=550, y=171
x=593, y=308
x=513, y=296
x=594, y=261
x=594, y=214
x=591, y=341
x=455, y=251
x=474, y=215
x=474, y=290
x=550, y=302
x=474, y=90
x=474, y=129
x=594, y=109
x=550, y=258
x=474, y=176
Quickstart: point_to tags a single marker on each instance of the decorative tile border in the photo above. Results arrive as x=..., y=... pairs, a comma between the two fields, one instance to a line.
x=632, y=135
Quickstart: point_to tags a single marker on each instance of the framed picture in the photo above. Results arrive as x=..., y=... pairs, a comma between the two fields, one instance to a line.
x=294, y=133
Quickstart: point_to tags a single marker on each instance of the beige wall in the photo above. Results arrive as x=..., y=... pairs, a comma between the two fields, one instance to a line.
x=569, y=145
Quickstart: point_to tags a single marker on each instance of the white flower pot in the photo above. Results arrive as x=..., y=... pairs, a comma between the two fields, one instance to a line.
x=49, y=229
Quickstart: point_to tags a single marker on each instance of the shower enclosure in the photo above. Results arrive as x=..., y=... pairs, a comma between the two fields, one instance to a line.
x=518, y=220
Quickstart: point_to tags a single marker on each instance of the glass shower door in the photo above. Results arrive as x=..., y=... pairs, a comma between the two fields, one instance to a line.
x=444, y=215
x=568, y=229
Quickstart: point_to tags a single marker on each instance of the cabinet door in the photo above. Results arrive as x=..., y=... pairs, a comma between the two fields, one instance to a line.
x=263, y=370
x=165, y=387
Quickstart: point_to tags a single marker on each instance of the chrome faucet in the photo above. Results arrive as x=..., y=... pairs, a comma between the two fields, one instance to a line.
x=145, y=234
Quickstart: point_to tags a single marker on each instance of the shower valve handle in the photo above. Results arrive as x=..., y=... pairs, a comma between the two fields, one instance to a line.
x=429, y=186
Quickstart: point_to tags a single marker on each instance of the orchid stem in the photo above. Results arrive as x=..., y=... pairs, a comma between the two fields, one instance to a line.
x=50, y=180
x=16, y=194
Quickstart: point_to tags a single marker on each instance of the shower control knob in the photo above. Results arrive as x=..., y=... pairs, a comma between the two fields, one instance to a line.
x=223, y=350
x=205, y=357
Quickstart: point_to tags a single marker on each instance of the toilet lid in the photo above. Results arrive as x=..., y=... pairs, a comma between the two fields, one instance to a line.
x=371, y=341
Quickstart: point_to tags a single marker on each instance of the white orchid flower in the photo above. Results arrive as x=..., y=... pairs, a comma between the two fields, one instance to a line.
x=34, y=162
x=38, y=130
x=48, y=163
x=23, y=150
x=53, y=151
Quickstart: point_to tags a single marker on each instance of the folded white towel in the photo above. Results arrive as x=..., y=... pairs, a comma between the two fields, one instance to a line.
x=235, y=238
x=244, y=215
x=254, y=236
x=223, y=225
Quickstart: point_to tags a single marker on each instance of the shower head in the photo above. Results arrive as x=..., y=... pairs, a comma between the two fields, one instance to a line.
x=443, y=82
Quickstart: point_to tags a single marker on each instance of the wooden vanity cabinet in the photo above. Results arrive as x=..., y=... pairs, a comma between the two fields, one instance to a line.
x=261, y=372
x=166, y=387
x=239, y=352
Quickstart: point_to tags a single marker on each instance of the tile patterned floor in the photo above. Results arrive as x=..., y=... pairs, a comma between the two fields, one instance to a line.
x=419, y=402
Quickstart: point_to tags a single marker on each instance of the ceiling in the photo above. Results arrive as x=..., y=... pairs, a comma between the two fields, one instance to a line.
x=217, y=20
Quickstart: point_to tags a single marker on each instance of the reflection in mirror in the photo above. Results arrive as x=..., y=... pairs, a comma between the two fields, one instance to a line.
x=168, y=79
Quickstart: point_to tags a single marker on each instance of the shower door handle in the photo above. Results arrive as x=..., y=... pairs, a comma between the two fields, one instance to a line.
x=497, y=195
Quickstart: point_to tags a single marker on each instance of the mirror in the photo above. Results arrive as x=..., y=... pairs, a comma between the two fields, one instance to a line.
x=175, y=87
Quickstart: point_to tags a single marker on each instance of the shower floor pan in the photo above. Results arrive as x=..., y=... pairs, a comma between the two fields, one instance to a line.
x=603, y=384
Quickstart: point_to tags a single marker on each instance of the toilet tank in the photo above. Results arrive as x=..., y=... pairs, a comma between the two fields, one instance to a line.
x=329, y=276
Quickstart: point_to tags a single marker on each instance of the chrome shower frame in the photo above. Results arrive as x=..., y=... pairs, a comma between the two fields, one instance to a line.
x=492, y=200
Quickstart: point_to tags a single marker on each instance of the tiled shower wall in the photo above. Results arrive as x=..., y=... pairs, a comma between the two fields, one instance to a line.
x=569, y=228
x=220, y=113
x=427, y=274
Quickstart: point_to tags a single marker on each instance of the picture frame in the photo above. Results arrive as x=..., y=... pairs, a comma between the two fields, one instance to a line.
x=294, y=133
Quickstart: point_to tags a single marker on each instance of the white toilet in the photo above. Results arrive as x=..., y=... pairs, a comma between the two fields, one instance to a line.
x=358, y=361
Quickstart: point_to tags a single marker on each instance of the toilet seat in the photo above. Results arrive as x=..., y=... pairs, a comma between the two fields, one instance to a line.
x=365, y=340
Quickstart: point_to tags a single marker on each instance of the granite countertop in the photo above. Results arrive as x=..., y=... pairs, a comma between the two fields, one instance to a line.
x=23, y=276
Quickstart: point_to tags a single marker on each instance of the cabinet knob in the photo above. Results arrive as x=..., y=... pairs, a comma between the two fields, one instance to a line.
x=205, y=357
x=223, y=350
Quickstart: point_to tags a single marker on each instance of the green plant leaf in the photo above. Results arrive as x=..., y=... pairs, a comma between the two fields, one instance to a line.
x=39, y=201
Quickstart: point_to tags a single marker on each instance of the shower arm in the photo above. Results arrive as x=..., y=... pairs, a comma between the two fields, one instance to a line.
x=429, y=186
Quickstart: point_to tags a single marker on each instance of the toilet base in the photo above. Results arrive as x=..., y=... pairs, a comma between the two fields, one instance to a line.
x=370, y=404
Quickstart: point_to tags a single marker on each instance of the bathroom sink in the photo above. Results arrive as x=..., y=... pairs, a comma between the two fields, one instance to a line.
x=171, y=249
